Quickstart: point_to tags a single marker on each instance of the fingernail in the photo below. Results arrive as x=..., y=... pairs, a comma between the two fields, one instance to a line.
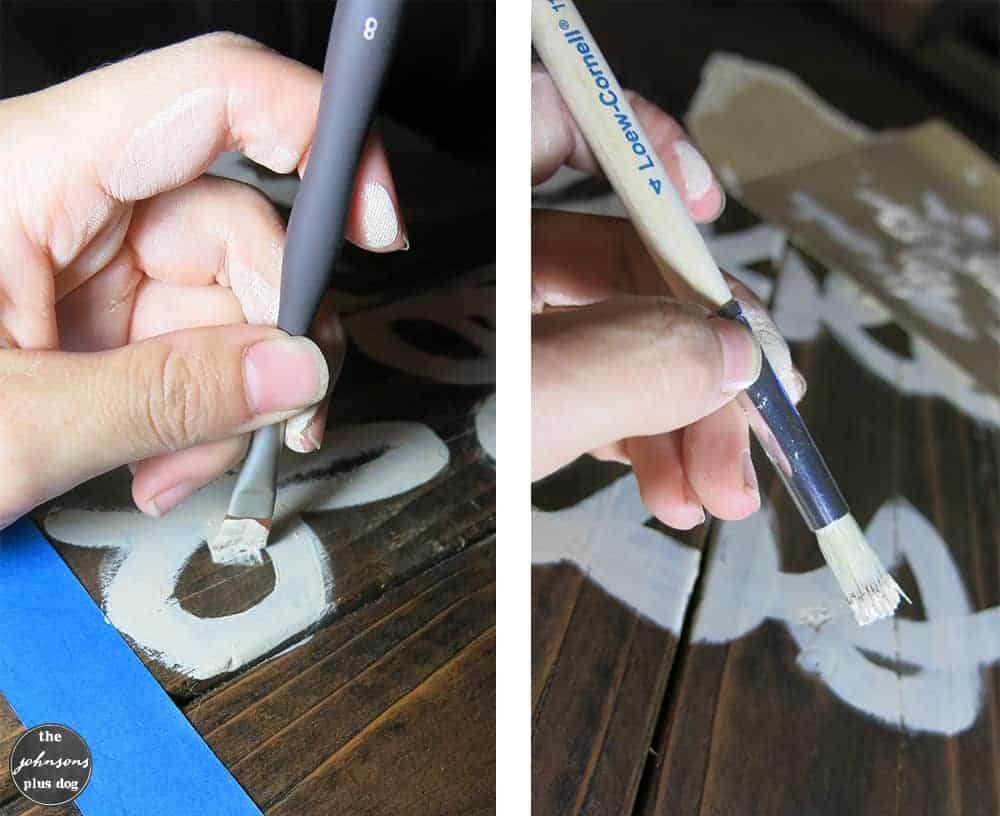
x=284, y=374
x=406, y=243
x=378, y=219
x=300, y=435
x=166, y=500
x=694, y=169
x=749, y=475
x=698, y=511
x=741, y=355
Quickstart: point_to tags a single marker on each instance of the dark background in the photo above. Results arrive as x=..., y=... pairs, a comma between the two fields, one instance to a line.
x=884, y=64
x=441, y=82
x=927, y=57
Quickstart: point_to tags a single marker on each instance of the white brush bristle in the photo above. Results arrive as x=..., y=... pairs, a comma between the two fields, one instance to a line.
x=871, y=592
x=239, y=540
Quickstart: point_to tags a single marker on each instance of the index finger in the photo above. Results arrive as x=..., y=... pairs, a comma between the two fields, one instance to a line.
x=556, y=140
x=157, y=121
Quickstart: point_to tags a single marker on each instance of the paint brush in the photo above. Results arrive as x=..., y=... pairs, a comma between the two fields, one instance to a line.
x=359, y=49
x=598, y=104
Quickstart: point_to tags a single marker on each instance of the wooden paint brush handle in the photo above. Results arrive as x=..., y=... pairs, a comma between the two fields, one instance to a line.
x=596, y=100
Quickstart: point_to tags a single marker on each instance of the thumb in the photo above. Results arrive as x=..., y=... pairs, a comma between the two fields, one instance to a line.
x=66, y=417
x=630, y=366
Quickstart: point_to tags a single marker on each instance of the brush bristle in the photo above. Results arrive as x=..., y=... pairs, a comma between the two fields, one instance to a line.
x=871, y=592
x=239, y=540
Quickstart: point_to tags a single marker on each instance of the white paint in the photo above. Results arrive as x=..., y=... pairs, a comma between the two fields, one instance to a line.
x=378, y=216
x=745, y=586
x=296, y=427
x=147, y=556
x=734, y=252
x=239, y=541
x=937, y=246
x=486, y=425
x=453, y=308
x=802, y=308
x=871, y=592
x=257, y=297
x=973, y=176
x=604, y=535
x=173, y=147
x=695, y=172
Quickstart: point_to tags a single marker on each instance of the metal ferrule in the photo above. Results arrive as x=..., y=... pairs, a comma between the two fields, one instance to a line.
x=783, y=436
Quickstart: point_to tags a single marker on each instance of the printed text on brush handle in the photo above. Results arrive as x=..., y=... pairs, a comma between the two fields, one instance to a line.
x=607, y=90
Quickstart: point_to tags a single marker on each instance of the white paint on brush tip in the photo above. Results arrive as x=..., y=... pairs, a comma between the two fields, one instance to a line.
x=239, y=541
x=378, y=216
x=871, y=592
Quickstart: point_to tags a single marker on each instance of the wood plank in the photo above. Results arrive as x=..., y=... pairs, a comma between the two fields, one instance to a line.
x=599, y=664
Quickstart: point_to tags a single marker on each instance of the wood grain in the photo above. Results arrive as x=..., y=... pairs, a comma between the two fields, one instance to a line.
x=405, y=684
x=599, y=671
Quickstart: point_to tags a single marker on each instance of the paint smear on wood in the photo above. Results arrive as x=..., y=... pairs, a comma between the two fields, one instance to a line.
x=941, y=692
x=606, y=537
x=147, y=556
x=468, y=310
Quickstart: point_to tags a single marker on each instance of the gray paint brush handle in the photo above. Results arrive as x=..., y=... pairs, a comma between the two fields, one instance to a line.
x=361, y=44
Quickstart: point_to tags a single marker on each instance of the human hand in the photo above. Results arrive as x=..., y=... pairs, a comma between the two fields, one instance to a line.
x=127, y=276
x=619, y=368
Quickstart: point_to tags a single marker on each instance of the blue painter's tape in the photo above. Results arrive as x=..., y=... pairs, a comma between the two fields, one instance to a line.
x=61, y=661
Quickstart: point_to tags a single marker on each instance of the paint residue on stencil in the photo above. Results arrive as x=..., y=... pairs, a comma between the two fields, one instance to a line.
x=936, y=248
x=148, y=556
x=802, y=307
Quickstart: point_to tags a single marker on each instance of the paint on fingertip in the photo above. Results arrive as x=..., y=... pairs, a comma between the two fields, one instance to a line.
x=257, y=297
x=694, y=169
x=378, y=219
x=298, y=435
x=171, y=148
